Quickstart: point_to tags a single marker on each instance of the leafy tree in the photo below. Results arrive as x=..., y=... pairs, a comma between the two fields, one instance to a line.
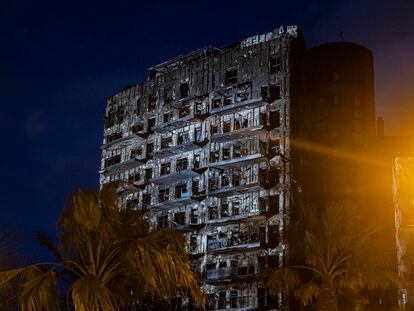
x=109, y=259
x=340, y=252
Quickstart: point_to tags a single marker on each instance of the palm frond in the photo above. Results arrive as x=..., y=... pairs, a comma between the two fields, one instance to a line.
x=307, y=293
x=160, y=259
x=39, y=290
x=7, y=276
x=90, y=293
x=84, y=208
x=282, y=280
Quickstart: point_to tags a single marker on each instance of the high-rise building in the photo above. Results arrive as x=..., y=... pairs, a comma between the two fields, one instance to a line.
x=222, y=143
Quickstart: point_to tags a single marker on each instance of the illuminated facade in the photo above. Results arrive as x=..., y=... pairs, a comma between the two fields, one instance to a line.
x=205, y=146
x=403, y=189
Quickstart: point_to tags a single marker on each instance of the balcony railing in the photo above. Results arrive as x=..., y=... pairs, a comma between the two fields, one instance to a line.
x=237, y=161
x=122, y=166
x=182, y=119
x=234, y=188
x=125, y=141
x=174, y=176
x=180, y=148
x=238, y=134
x=235, y=303
x=186, y=227
x=230, y=272
x=175, y=200
x=230, y=244
x=235, y=99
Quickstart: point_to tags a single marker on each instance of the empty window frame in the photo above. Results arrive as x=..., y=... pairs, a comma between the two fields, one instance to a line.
x=152, y=103
x=227, y=126
x=165, y=169
x=149, y=149
x=166, y=117
x=197, y=161
x=270, y=93
x=182, y=164
x=212, y=212
x=224, y=208
x=198, y=132
x=148, y=174
x=168, y=95
x=275, y=64
x=134, y=177
x=184, y=90
x=163, y=194
x=183, y=138
x=137, y=128
x=214, y=155
x=243, y=92
x=113, y=160
x=230, y=76
x=226, y=153
x=166, y=142
x=181, y=190
x=179, y=218
x=184, y=111
x=216, y=103
x=114, y=136
x=136, y=152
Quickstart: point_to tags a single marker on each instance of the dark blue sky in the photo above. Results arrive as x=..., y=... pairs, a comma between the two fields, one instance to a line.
x=59, y=60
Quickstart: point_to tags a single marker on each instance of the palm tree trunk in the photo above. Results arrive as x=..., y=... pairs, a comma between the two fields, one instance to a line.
x=327, y=300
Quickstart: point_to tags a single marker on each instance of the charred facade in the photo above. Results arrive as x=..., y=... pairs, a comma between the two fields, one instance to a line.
x=205, y=146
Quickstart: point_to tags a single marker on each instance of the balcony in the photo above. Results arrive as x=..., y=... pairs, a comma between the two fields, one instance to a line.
x=179, y=199
x=240, y=218
x=183, y=119
x=229, y=273
x=235, y=303
x=122, y=166
x=237, y=98
x=186, y=227
x=238, y=161
x=232, y=189
x=127, y=189
x=229, y=135
x=225, y=245
x=180, y=148
x=122, y=142
x=174, y=176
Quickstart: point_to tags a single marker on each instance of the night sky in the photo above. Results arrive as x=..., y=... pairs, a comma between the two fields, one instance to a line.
x=59, y=60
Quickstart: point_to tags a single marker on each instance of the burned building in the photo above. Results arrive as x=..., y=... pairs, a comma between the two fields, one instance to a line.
x=204, y=145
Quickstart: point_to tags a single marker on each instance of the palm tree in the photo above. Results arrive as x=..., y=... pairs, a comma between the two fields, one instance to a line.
x=341, y=252
x=109, y=259
x=10, y=257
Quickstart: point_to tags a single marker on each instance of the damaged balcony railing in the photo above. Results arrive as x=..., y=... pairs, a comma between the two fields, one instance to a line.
x=183, y=142
x=237, y=155
x=236, y=241
x=230, y=272
x=239, y=126
x=234, y=302
x=185, y=113
x=237, y=181
x=166, y=173
x=117, y=140
x=235, y=98
x=178, y=196
x=118, y=167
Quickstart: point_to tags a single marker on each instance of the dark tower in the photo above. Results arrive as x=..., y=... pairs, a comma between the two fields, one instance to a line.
x=340, y=120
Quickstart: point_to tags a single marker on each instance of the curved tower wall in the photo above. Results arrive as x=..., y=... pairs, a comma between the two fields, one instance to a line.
x=340, y=120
